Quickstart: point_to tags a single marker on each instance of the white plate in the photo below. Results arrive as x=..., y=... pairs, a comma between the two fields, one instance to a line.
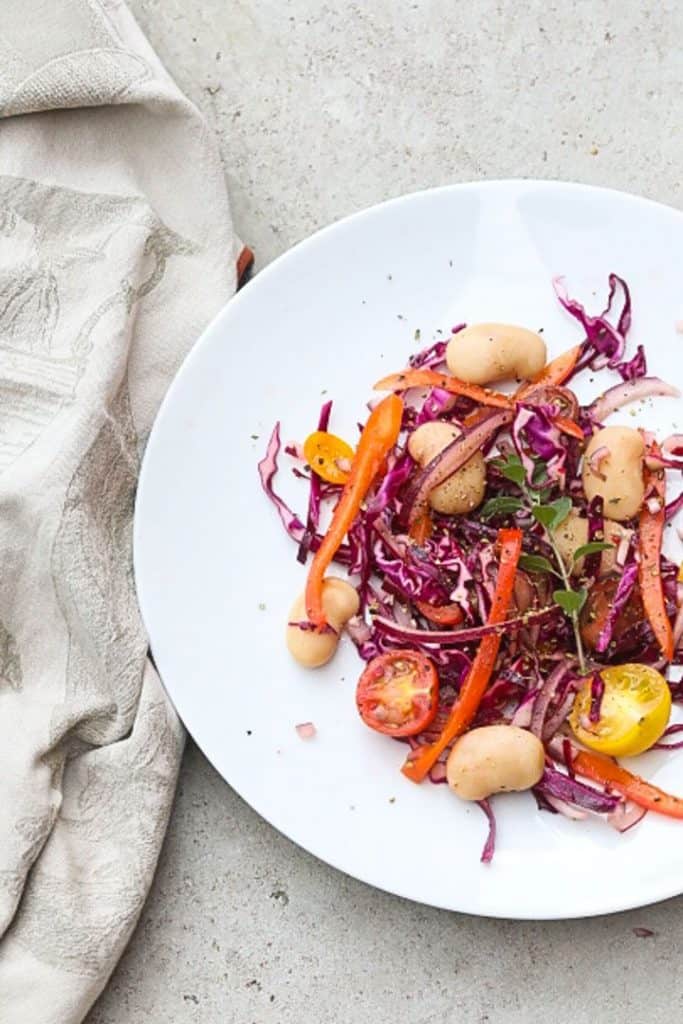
x=216, y=574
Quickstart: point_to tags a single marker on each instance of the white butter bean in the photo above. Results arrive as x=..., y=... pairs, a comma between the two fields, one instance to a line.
x=573, y=534
x=617, y=473
x=464, y=490
x=312, y=649
x=485, y=353
x=494, y=759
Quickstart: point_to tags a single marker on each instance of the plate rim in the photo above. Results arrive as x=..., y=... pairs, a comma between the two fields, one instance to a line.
x=519, y=184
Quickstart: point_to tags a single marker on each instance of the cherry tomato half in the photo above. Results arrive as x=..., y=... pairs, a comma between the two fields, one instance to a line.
x=398, y=693
x=634, y=711
x=441, y=614
x=328, y=456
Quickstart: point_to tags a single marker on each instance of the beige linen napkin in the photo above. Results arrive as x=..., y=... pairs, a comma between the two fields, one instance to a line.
x=116, y=248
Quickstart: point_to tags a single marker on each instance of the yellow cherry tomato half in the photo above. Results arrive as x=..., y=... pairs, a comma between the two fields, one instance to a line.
x=634, y=711
x=328, y=456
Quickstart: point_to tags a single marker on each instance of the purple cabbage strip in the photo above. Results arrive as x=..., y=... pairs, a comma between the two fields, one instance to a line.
x=415, y=577
x=360, y=534
x=634, y=368
x=267, y=469
x=314, y=495
x=434, y=354
x=405, y=577
x=554, y=783
x=390, y=486
x=557, y=719
x=435, y=404
x=429, y=357
x=597, y=693
x=627, y=582
x=605, y=343
x=544, y=698
x=531, y=424
x=490, y=844
x=671, y=730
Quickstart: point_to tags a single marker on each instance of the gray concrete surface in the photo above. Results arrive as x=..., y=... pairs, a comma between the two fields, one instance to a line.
x=321, y=109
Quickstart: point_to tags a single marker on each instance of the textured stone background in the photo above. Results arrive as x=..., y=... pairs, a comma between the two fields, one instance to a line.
x=322, y=109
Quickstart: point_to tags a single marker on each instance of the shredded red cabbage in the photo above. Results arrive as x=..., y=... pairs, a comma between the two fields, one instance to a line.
x=627, y=582
x=597, y=693
x=313, y=517
x=399, y=568
x=490, y=844
x=535, y=436
x=267, y=468
x=554, y=783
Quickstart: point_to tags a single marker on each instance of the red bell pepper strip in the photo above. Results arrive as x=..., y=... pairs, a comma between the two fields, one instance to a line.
x=651, y=529
x=431, y=379
x=378, y=438
x=607, y=772
x=441, y=614
x=421, y=760
x=421, y=530
x=554, y=374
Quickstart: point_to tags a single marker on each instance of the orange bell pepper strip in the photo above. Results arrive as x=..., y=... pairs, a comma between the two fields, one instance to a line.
x=607, y=772
x=651, y=530
x=421, y=760
x=554, y=374
x=431, y=379
x=378, y=438
x=568, y=426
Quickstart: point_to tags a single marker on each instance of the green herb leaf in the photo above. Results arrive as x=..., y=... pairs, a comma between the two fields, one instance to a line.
x=570, y=601
x=544, y=514
x=515, y=473
x=591, y=549
x=511, y=468
x=536, y=563
x=539, y=475
x=563, y=507
x=500, y=506
x=554, y=513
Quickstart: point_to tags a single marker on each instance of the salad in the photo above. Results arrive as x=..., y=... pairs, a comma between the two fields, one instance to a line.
x=505, y=584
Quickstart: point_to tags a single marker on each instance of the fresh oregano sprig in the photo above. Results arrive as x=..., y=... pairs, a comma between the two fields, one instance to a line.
x=550, y=515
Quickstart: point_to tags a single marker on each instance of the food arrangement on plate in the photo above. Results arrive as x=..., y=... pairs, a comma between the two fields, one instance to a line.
x=507, y=589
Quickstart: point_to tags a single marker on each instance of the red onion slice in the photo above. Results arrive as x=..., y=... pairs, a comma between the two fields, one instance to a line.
x=626, y=815
x=596, y=458
x=631, y=391
x=562, y=807
x=451, y=637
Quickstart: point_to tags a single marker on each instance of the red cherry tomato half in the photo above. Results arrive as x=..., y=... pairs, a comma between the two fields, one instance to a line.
x=398, y=693
x=441, y=614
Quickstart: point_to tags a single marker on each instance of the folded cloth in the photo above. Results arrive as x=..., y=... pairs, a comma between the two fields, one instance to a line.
x=116, y=248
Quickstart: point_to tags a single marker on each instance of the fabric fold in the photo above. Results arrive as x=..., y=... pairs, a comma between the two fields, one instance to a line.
x=116, y=249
